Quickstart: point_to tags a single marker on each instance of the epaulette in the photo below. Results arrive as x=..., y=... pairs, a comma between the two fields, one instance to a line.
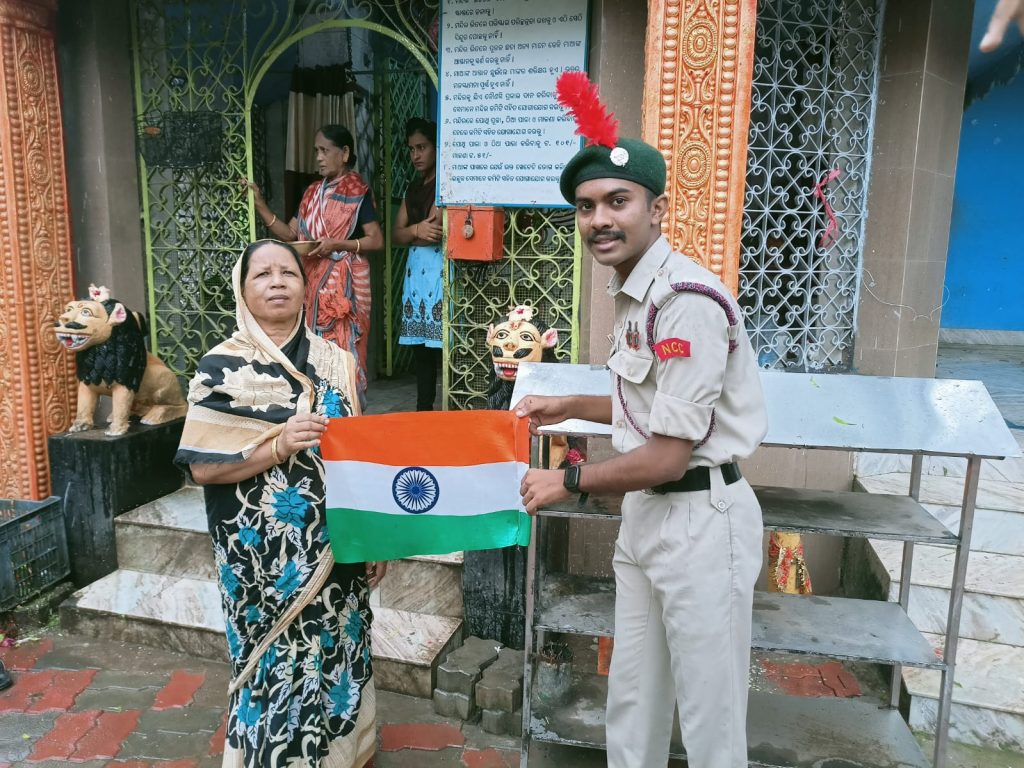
x=670, y=285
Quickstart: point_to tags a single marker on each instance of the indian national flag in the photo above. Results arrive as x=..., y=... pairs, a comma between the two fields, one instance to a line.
x=425, y=483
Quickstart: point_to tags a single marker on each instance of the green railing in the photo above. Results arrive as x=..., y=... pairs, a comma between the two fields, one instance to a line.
x=398, y=95
x=197, y=66
x=541, y=268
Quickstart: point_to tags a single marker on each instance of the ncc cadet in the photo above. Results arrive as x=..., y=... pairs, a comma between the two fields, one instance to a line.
x=686, y=403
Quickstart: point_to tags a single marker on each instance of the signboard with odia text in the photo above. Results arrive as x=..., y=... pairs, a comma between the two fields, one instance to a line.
x=503, y=138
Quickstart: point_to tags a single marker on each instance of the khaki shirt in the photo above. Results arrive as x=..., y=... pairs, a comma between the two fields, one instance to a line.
x=690, y=386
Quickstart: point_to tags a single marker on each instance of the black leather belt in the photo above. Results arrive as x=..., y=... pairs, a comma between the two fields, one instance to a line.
x=699, y=479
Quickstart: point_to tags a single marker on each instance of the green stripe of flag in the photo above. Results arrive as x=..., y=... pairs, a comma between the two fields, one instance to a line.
x=358, y=535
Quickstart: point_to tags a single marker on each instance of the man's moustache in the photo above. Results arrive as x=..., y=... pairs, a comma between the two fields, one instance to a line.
x=605, y=236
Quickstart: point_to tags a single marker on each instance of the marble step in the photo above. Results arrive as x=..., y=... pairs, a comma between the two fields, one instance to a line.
x=947, y=490
x=168, y=536
x=424, y=584
x=995, y=530
x=1004, y=470
x=993, y=606
x=170, y=612
x=408, y=647
x=988, y=704
x=988, y=573
x=184, y=615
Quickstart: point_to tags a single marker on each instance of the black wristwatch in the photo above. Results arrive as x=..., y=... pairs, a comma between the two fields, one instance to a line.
x=571, y=481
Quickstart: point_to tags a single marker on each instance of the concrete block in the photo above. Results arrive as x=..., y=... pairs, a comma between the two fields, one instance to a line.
x=454, y=705
x=500, y=722
x=101, y=477
x=39, y=611
x=501, y=685
x=462, y=669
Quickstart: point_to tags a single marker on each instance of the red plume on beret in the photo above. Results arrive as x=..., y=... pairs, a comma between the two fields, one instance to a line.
x=594, y=122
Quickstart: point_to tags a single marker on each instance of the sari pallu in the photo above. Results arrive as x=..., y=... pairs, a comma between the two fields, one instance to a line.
x=297, y=625
x=338, y=288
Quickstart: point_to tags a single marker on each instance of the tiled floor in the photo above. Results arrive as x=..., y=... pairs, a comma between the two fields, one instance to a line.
x=107, y=704
x=392, y=395
x=103, y=704
x=1000, y=368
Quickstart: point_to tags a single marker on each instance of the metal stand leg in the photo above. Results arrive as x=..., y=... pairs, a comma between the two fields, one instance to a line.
x=531, y=564
x=540, y=449
x=956, y=601
x=906, y=571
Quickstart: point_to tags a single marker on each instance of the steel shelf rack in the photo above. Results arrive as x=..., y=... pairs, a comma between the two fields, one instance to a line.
x=920, y=417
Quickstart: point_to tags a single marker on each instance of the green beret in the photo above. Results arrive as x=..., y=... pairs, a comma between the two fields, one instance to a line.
x=643, y=165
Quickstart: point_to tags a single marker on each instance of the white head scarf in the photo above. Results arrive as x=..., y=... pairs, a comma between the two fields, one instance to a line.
x=250, y=332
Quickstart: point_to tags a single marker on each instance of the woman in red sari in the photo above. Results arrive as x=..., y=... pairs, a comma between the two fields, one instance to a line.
x=338, y=211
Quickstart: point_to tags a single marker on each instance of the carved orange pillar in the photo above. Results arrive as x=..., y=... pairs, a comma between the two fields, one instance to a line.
x=37, y=378
x=699, y=63
x=700, y=60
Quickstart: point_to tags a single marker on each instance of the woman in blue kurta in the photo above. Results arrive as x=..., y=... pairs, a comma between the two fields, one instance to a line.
x=418, y=225
x=297, y=624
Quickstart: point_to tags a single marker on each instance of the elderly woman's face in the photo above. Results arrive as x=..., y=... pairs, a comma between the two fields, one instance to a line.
x=330, y=158
x=273, y=288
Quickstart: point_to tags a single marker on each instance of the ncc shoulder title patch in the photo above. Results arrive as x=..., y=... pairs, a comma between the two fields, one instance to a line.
x=668, y=348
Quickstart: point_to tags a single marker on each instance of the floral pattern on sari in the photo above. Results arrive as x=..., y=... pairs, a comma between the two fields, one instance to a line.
x=311, y=683
x=307, y=688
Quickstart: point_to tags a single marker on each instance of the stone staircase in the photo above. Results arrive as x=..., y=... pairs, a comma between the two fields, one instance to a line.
x=165, y=595
x=988, y=696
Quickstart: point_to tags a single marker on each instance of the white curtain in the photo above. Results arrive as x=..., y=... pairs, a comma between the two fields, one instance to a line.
x=306, y=114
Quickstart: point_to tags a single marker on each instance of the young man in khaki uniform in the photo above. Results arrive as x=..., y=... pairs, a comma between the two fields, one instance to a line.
x=686, y=403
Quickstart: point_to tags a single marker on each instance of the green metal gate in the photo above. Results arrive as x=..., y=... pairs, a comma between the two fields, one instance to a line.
x=197, y=65
x=541, y=268
x=399, y=93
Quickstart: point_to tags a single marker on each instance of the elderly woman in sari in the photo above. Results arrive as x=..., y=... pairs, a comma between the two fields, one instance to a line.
x=338, y=211
x=298, y=625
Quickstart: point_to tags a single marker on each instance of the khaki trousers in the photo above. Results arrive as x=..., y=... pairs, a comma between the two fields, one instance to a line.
x=685, y=566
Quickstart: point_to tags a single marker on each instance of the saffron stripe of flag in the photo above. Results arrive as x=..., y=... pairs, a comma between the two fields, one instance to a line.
x=409, y=484
x=462, y=438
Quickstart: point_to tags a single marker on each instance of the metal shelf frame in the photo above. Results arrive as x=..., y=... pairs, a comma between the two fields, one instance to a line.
x=920, y=417
x=840, y=628
x=875, y=736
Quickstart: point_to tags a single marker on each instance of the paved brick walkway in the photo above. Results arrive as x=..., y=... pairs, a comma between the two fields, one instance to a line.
x=93, y=703
x=84, y=702
x=97, y=703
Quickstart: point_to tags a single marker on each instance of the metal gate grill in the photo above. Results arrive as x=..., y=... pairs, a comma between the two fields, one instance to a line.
x=812, y=112
x=198, y=63
x=399, y=94
x=189, y=66
x=541, y=268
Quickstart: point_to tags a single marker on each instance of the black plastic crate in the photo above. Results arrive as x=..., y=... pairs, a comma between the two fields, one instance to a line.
x=33, y=548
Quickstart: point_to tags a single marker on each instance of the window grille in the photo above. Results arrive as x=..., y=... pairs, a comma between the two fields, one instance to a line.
x=812, y=112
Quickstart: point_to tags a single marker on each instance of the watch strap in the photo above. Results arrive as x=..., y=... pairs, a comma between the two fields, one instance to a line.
x=571, y=480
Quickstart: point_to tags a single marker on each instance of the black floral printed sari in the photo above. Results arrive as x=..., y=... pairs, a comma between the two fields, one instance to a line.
x=297, y=624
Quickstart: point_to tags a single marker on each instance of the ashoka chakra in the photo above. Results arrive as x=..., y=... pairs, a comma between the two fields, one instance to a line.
x=415, y=490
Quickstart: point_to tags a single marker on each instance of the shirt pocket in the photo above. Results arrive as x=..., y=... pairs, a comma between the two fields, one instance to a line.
x=632, y=366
